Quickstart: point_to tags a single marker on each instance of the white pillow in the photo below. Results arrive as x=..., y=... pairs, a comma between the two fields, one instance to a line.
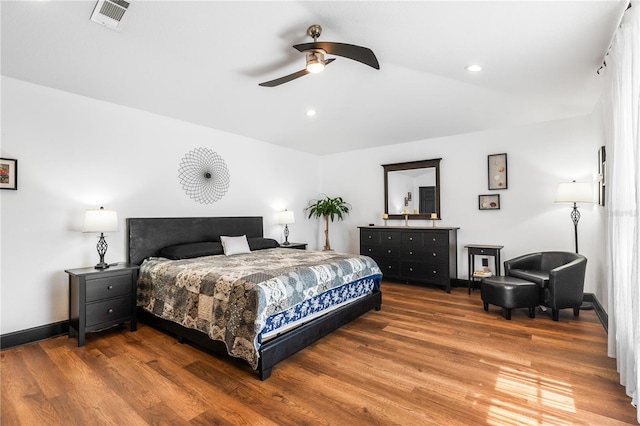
x=235, y=245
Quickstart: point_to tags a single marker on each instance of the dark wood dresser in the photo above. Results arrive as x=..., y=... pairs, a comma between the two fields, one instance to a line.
x=413, y=254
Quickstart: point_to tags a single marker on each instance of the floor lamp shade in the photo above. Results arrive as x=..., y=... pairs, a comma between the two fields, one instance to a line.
x=285, y=218
x=101, y=220
x=574, y=192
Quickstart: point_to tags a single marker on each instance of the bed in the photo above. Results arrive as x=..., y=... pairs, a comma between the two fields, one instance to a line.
x=273, y=301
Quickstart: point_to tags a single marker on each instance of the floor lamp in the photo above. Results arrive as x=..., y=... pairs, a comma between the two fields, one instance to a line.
x=575, y=192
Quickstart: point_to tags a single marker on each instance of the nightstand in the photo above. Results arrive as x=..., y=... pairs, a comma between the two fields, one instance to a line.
x=298, y=246
x=481, y=250
x=100, y=298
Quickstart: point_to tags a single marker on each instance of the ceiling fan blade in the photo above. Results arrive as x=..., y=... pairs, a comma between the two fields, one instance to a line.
x=351, y=51
x=287, y=78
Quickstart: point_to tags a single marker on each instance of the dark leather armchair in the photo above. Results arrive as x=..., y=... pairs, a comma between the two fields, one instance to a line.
x=559, y=275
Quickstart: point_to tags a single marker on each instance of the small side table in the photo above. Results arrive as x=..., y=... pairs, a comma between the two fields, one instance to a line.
x=100, y=298
x=481, y=250
x=297, y=246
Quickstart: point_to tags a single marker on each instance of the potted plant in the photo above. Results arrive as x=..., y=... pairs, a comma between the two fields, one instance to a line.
x=328, y=208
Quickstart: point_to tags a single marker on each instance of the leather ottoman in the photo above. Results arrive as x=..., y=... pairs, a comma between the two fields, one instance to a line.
x=509, y=293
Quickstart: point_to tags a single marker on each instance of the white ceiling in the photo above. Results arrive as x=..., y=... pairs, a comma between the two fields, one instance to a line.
x=201, y=62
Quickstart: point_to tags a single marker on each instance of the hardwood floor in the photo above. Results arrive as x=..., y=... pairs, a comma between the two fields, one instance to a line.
x=427, y=358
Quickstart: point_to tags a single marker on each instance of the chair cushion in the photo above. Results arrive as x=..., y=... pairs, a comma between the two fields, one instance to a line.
x=539, y=277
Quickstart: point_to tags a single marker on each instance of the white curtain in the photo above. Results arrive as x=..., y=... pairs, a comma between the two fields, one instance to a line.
x=620, y=105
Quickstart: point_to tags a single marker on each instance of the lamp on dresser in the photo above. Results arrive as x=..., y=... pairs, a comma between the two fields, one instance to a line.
x=285, y=218
x=101, y=220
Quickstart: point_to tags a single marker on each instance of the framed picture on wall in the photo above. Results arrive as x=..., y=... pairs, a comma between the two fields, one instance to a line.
x=602, y=172
x=497, y=171
x=489, y=202
x=8, y=173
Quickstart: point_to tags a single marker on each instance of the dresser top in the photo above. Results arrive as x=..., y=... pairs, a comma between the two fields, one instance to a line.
x=409, y=228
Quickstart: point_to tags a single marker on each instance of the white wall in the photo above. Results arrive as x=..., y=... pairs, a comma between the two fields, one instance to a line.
x=539, y=157
x=76, y=153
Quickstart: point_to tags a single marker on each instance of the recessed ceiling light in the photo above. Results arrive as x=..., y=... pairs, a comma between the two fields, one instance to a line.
x=473, y=68
x=311, y=112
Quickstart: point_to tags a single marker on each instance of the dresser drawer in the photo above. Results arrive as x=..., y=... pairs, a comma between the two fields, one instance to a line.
x=390, y=238
x=434, y=254
x=437, y=254
x=411, y=238
x=436, y=238
x=413, y=253
x=436, y=274
x=370, y=237
x=388, y=267
x=381, y=251
x=109, y=311
x=108, y=286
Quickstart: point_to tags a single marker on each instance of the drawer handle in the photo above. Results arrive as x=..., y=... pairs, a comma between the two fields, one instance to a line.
x=110, y=311
x=434, y=239
x=389, y=267
x=370, y=237
x=434, y=254
x=434, y=272
x=389, y=238
x=389, y=251
x=110, y=287
x=410, y=238
x=410, y=253
x=410, y=269
x=369, y=250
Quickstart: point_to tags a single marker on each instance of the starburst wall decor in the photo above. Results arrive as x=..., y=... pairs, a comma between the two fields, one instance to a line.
x=204, y=175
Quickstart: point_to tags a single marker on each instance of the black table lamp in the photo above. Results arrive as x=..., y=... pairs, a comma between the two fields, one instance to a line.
x=101, y=220
x=285, y=218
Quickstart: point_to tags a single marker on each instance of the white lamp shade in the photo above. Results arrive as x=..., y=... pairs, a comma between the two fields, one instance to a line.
x=100, y=220
x=574, y=192
x=286, y=217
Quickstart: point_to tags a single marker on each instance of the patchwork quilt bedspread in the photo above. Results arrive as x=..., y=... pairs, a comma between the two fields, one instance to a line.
x=230, y=298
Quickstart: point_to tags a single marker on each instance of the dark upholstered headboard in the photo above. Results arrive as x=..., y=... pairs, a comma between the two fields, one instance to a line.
x=148, y=235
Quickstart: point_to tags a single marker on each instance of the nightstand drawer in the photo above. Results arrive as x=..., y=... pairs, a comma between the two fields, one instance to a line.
x=109, y=286
x=108, y=311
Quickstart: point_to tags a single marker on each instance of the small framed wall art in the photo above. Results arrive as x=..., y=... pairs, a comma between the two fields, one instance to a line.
x=8, y=173
x=602, y=173
x=489, y=202
x=497, y=171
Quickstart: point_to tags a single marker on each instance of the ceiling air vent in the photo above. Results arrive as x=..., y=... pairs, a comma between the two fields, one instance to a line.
x=109, y=12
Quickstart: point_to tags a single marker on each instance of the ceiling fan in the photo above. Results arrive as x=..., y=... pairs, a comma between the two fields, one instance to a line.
x=315, y=56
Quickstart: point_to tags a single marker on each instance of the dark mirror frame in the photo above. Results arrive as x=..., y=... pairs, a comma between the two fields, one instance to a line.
x=411, y=165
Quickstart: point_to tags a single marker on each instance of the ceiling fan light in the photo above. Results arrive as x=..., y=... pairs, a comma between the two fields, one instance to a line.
x=315, y=62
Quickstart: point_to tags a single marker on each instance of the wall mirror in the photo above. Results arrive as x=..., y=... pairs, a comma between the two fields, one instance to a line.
x=412, y=187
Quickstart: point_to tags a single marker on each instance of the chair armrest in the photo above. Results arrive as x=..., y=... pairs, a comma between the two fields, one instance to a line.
x=566, y=282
